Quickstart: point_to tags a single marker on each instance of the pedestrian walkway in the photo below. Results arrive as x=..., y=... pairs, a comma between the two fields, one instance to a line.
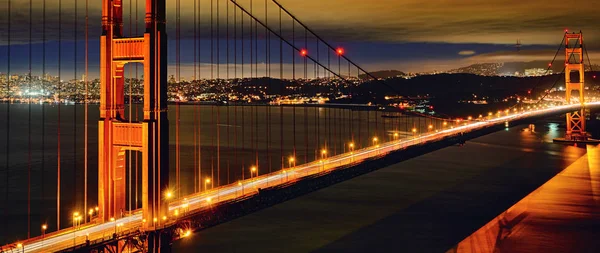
x=563, y=215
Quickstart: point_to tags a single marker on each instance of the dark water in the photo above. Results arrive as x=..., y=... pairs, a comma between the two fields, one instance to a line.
x=232, y=138
x=425, y=204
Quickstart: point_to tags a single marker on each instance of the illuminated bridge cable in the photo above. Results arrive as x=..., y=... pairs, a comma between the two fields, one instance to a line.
x=562, y=72
x=7, y=148
x=257, y=21
x=30, y=79
x=58, y=174
x=550, y=64
x=218, y=108
x=178, y=100
x=85, y=116
x=43, y=97
x=75, y=193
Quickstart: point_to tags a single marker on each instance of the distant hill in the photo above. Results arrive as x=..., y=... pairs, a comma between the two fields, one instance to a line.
x=384, y=74
x=510, y=68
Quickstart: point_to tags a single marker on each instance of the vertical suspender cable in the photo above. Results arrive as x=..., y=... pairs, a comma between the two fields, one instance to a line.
x=218, y=108
x=199, y=107
x=58, y=129
x=195, y=107
x=75, y=202
x=29, y=128
x=136, y=110
x=242, y=82
x=268, y=76
x=85, y=114
x=212, y=138
x=130, y=116
x=178, y=100
x=42, y=181
x=7, y=189
x=227, y=71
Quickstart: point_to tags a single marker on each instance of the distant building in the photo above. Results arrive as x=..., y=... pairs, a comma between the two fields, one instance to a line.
x=537, y=72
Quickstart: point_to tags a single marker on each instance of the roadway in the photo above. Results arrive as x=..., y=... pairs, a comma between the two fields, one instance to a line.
x=67, y=238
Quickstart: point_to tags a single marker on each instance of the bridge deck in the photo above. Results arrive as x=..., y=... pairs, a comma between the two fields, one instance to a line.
x=563, y=215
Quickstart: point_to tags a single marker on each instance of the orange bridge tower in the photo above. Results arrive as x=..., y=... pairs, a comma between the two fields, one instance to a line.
x=574, y=64
x=116, y=135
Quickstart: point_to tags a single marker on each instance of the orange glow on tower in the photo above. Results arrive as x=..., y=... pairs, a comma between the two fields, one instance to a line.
x=116, y=135
x=574, y=64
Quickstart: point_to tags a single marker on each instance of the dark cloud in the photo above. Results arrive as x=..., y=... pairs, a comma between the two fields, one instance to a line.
x=394, y=22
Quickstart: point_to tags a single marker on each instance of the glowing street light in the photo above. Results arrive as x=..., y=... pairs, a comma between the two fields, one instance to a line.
x=323, y=156
x=168, y=194
x=112, y=219
x=291, y=160
x=44, y=227
x=286, y=174
x=430, y=127
x=375, y=140
x=206, y=181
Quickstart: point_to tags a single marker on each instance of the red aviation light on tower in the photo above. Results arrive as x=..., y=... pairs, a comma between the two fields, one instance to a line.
x=340, y=51
x=550, y=64
x=566, y=30
x=303, y=52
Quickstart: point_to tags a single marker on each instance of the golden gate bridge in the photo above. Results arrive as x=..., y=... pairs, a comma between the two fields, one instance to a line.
x=259, y=154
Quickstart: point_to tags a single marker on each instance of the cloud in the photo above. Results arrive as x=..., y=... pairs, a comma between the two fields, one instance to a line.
x=466, y=52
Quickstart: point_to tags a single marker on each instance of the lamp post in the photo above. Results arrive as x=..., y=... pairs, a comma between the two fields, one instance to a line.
x=20, y=246
x=375, y=140
x=44, y=227
x=351, y=146
x=206, y=182
x=290, y=161
x=253, y=170
x=115, y=221
x=76, y=222
x=414, y=131
x=323, y=156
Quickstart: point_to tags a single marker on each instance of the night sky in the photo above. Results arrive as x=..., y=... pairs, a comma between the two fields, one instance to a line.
x=407, y=35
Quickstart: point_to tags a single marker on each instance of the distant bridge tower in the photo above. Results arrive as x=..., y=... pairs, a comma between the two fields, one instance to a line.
x=574, y=63
x=116, y=135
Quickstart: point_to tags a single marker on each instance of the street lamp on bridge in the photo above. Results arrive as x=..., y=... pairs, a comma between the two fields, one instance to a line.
x=292, y=160
x=206, y=182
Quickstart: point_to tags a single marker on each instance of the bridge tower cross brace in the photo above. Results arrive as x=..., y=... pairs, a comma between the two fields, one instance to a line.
x=574, y=63
x=116, y=135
